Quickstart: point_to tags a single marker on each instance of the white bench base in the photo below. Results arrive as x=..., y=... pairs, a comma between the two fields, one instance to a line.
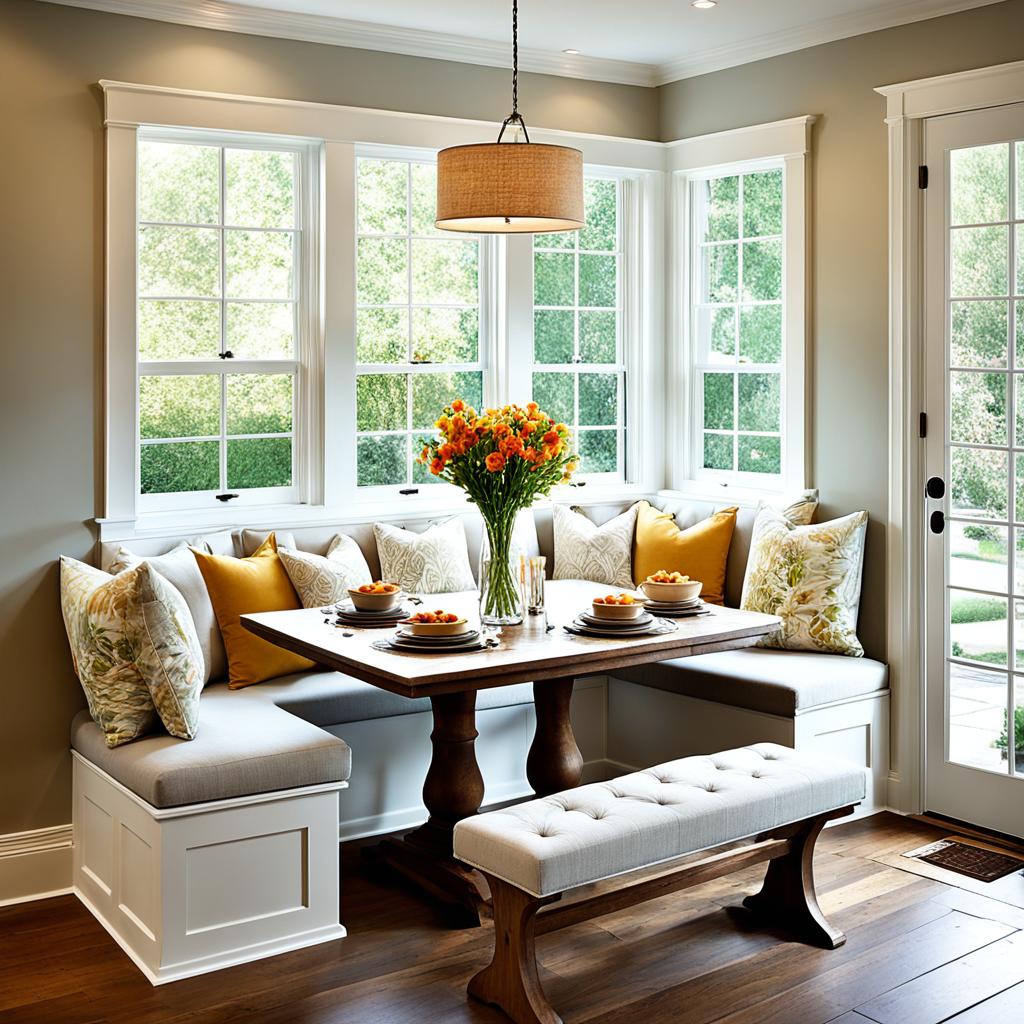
x=188, y=890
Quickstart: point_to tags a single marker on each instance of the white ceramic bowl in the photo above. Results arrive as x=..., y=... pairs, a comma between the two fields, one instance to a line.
x=671, y=591
x=375, y=602
x=437, y=628
x=617, y=612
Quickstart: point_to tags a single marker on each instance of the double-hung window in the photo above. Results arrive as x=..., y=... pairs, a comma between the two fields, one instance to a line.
x=419, y=342
x=578, y=357
x=222, y=318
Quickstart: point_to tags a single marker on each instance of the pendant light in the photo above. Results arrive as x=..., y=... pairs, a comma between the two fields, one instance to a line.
x=510, y=187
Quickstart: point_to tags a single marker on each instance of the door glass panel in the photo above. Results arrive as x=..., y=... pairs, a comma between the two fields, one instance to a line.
x=978, y=556
x=978, y=483
x=977, y=408
x=1016, y=742
x=977, y=711
x=977, y=627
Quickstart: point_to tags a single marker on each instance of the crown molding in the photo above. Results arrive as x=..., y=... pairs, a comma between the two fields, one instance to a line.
x=826, y=30
x=233, y=17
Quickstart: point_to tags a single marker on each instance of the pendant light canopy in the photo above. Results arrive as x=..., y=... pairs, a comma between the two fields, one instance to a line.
x=510, y=187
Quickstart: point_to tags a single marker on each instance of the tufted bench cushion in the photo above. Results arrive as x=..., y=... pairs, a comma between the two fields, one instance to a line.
x=583, y=835
x=763, y=679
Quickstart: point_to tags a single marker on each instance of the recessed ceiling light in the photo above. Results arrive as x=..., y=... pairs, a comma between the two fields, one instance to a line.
x=573, y=53
x=704, y=5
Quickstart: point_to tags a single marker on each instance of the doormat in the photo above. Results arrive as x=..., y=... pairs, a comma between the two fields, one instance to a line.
x=973, y=861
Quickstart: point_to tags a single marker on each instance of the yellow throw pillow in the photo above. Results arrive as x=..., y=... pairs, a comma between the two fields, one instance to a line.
x=701, y=552
x=240, y=586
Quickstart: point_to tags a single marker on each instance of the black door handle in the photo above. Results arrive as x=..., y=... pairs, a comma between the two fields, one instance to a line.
x=937, y=522
x=936, y=487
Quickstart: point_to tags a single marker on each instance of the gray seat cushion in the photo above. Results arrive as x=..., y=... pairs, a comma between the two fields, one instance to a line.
x=762, y=679
x=244, y=746
x=330, y=698
x=583, y=835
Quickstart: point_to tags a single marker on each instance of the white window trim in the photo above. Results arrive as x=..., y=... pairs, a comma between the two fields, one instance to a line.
x=782, y=143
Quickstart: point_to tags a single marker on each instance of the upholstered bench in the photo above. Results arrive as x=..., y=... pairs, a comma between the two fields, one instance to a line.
x=534, y=852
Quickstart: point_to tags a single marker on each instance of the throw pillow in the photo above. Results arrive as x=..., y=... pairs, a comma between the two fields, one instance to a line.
x=701, y=552
x=134, y=650
x=585, y=551
x=178, y=567
x=321, y=580
x=810, y=577
x=239, y=586
x=433, y=562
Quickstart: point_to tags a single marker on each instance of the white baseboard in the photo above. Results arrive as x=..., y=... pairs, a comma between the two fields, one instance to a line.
x=35, y=865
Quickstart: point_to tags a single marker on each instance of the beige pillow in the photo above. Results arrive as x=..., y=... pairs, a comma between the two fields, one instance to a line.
x=134, y=650
x=178, y=567
x=433, y=562
x=585, y=551
x=810, y=576
x=321, y=580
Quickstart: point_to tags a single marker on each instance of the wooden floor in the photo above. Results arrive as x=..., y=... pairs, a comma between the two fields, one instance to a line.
x=918, y=952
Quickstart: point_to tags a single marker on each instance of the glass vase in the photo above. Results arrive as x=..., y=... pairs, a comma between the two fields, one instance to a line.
x=501, y=600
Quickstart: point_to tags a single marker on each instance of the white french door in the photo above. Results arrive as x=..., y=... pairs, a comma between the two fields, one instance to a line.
x=974, y=297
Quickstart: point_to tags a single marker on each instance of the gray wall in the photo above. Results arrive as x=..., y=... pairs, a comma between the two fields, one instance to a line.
x=51, y=290
x=850, y=248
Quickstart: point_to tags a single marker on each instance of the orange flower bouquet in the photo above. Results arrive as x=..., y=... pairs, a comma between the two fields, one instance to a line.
x=504, y=459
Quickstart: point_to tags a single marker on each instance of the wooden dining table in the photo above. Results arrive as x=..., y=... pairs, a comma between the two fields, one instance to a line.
x=541, y=652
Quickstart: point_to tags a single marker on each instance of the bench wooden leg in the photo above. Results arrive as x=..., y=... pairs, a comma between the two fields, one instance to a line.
x=511, y=982
x=787, y=895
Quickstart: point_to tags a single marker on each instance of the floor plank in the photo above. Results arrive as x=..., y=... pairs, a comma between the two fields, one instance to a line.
x=1001, y=1009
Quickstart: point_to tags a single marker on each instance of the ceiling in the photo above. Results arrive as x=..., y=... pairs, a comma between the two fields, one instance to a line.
x=644, y=42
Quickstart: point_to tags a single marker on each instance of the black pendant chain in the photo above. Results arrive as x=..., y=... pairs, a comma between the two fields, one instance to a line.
x=515, y=117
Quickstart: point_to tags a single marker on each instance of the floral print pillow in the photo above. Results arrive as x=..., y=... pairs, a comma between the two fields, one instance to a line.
x=809, y=576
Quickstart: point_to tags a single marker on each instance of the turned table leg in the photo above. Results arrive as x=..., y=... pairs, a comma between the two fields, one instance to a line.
x=554, y=762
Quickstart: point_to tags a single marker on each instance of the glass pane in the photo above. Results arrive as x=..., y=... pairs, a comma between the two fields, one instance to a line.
x=382, y=335
x=381, y=460
x=444, y=270
x=1019, y=287
x=179, y=466
x=382, y=273
x=979, y=184
x=978, y=556
x=382, y=401
x=260, y=462
x=721, y=269
x=598, y=280
x=762, y=203
x=421, y=474
x=600, y=202
x=979, y=333
x=1018, y=564
x=261, y=330
x=260, y=188
x=762, y=271
x=424, y=199
x=178, y=330
x=759, y=454
x=1019, y=505
x=431, y=392
x=598, y=331
x=977, y=627
x=1019, y=397
x=555, y=394
x=977, y=711
x=1019, y=347
x=179, y=406
x=718, y=401
x=383, y=194
x=599, y=399
x=559, y=240
x=1017, y=742
x=979, y=262
x=761, y=334
x=718, y=451
x=1020, y=180
x=979, y=483
x=598, y=451
x=446, y=335
x=759, y=401
x=553, y=336
x=553, y=279
x=977, y=407
x=179, y=182
x=721, y=199
x=716, y=334
x=179, y=262
x=259, y=403
x=259, y=264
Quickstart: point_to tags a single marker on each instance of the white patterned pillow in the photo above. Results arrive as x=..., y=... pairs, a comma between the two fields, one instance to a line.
x=319, y=579
x=135, y=650
x=810, y=577
x=602, y=554
x=433, y=562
